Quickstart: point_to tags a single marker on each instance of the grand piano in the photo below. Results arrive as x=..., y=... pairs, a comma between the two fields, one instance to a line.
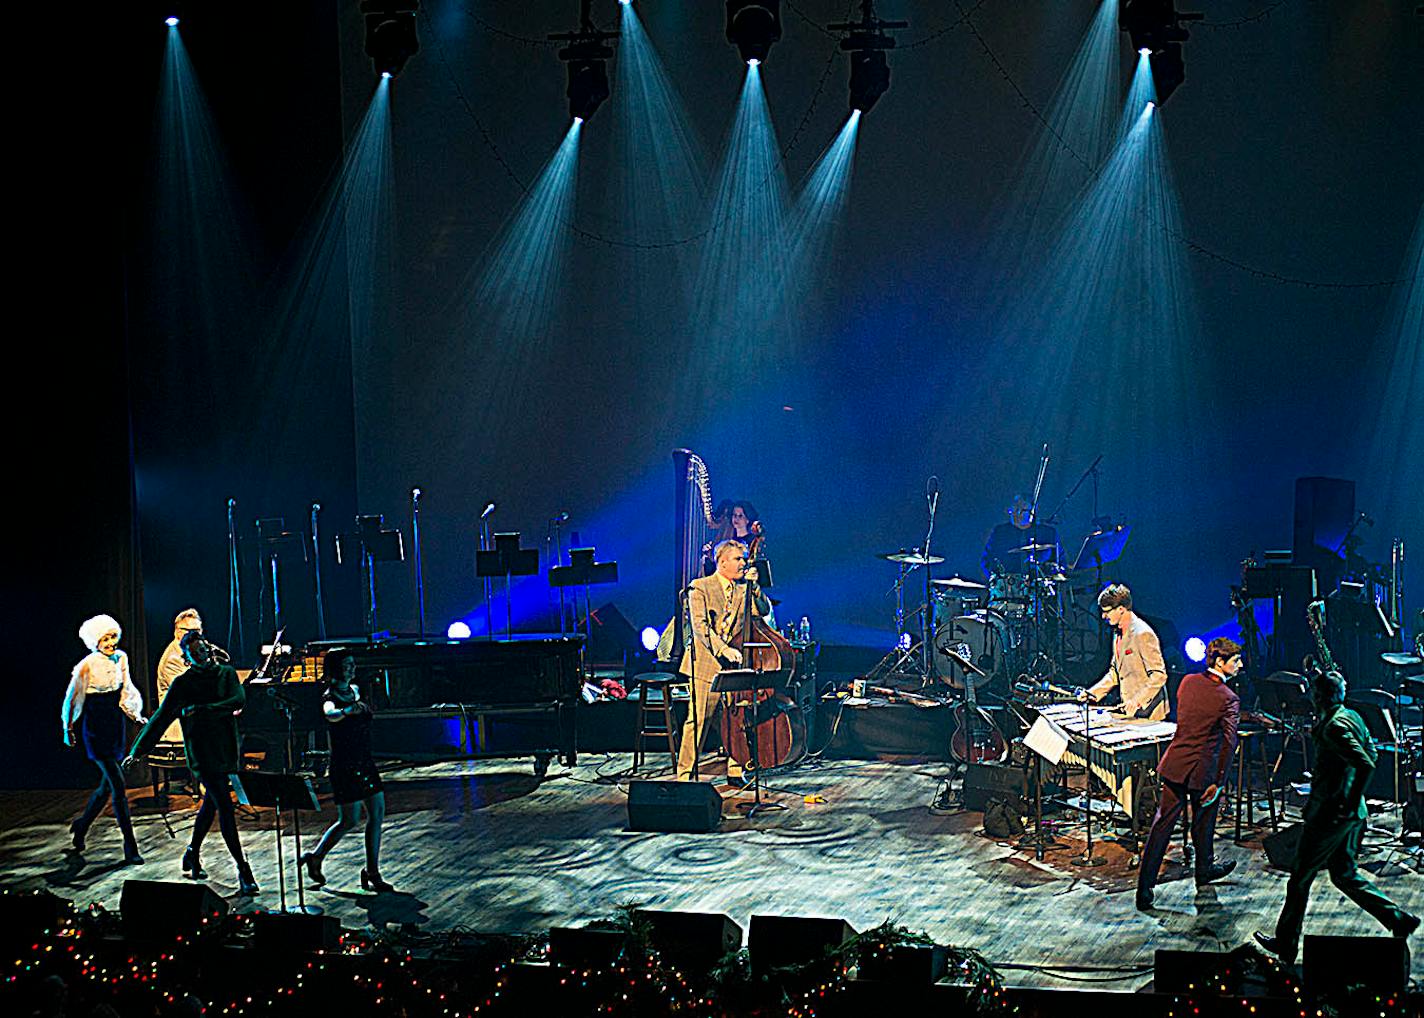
x=435, y=699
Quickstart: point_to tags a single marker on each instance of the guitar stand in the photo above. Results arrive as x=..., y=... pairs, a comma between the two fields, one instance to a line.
x=739, y=681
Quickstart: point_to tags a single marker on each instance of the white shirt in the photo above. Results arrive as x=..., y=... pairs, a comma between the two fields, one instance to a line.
x=99, y=674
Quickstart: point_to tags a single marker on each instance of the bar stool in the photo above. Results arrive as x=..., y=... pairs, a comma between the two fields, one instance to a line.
x=1246, y=738
x=654, y=713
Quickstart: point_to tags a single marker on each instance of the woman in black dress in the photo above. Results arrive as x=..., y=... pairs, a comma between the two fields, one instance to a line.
x=204, y=700
x=101, y=692
x=355, y=782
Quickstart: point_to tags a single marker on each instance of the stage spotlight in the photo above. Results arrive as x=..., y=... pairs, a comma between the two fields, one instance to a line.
x=458, y=630
x=171, y=21
x=391, y=39
x=649, y=638
x=1195, y=649
x=1156, y=30
x=752, y=26
x=866, y=41
x=586, y=57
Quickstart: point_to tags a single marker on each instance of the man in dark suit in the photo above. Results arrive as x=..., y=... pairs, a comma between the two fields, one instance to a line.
x=716, y=606
x=1335, y=816
x=1194, y=766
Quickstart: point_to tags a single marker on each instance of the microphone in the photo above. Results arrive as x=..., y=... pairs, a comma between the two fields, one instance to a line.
x=415, y=494
x=316, y=507
x=1367, y=520
x=560, y=518
x=488, y=509
x=231, y=503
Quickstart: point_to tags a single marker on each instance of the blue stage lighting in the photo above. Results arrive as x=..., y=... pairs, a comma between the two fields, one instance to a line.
x=1156, y=30
x=458, y=630
x=1195, y=649
x=171, y=22
x=1144, y=52
x=649, y=638
x=866, y=41
x=391, y=37
x=753, y=62
x=586, y=58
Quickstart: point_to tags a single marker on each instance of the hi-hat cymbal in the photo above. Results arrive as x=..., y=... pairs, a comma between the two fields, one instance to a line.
x=1398, y=660
x=959, y=583
x=912, y=558
x=1031, y=548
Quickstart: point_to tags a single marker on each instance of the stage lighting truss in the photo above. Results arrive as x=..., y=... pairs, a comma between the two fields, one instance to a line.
x=586, y=57
x=391, y=38
x=753, y=26
x=866, y=41
x=1155, y=26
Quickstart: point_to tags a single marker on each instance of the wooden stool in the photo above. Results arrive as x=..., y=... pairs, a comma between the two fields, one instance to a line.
x=1245, y=739
x=654, y=713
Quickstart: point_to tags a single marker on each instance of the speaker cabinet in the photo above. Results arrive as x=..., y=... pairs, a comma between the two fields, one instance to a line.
x=1332, y=964
x=983, y=782
x=690, y=807
x=778, y=941
x=163, y=910
x=694, y=941
x=295, y=933
x=1175, y=971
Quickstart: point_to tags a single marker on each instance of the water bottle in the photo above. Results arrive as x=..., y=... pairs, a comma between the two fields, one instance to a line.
x=805, y=630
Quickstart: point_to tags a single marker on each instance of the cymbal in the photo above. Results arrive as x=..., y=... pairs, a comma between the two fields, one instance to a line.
x=1034, y=548
x=912, y=558
x=1390, y=657
x=959, y=583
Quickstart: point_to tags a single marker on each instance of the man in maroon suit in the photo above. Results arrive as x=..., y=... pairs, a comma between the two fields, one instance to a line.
x=1194, y=766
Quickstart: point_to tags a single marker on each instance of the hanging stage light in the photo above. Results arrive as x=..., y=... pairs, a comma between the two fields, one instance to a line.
x=586, y=57
x=866, y=41
x=752, y=26
x=390, y=34
x=1156, y=27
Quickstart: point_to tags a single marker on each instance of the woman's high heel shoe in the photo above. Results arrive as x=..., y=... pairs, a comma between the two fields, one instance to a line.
x=192, y=868
x=373, y=882
x=246, y=882
x=131, y=855
x=312, y=862
x=76, y=836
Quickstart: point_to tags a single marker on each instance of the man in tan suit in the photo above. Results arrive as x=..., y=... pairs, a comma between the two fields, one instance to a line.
x=1137, y=670
x=172, y=664
x=716, y=605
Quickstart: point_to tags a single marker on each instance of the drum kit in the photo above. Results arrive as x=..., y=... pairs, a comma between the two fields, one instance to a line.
x=985, y=635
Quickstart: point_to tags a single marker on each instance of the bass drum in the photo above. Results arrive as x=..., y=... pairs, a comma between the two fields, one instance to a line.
x=983, y=637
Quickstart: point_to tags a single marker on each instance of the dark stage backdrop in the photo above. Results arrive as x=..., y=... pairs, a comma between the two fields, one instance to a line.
x=1294, y=144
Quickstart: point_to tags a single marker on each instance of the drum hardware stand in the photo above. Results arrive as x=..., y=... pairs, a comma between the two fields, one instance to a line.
x=748, y=680
x=509, y=560
x=928, y=620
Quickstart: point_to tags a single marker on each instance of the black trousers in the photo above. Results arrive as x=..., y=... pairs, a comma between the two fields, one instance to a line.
x=1332, y=846
x=1175, y=798
x=111, y=789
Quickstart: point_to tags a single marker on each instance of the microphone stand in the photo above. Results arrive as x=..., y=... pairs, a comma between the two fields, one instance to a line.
x=928, y=621
x=234, y=581
x=489, y=581
x=419, y=570
x=316, y=567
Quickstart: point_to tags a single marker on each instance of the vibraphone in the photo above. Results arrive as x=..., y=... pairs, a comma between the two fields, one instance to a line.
x=1114, y=748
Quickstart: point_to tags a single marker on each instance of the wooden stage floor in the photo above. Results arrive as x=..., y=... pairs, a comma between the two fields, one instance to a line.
x=483, y=845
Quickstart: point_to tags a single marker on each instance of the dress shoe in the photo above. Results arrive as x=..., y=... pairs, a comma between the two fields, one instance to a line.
x=1271, y=945
x=1215, y=872
x=312, y=861
x=246, y=882
x=192, y=867
x=373, y=882
x=1145, y=898
x=1406, y=926
x=739, y=781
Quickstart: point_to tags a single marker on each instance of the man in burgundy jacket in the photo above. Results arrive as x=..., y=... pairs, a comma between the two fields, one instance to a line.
x=1194, y=767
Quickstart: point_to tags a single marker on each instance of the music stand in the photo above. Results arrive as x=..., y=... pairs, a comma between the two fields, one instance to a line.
x=281, y=791
x=748, y=680
x=509, y=560
x=1048, y=742
x=583, y=571
x=273, y=537
x=372, y=544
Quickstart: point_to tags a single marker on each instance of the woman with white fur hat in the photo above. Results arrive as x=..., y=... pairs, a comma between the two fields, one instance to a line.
x=101, y=692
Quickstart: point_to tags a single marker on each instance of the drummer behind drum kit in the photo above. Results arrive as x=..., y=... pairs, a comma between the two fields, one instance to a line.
x=985, y=636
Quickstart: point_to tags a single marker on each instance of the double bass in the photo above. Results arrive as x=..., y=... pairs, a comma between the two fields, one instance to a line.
x=767, y=719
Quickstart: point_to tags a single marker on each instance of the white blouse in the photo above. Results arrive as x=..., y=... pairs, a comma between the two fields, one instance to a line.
x=100, y=674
